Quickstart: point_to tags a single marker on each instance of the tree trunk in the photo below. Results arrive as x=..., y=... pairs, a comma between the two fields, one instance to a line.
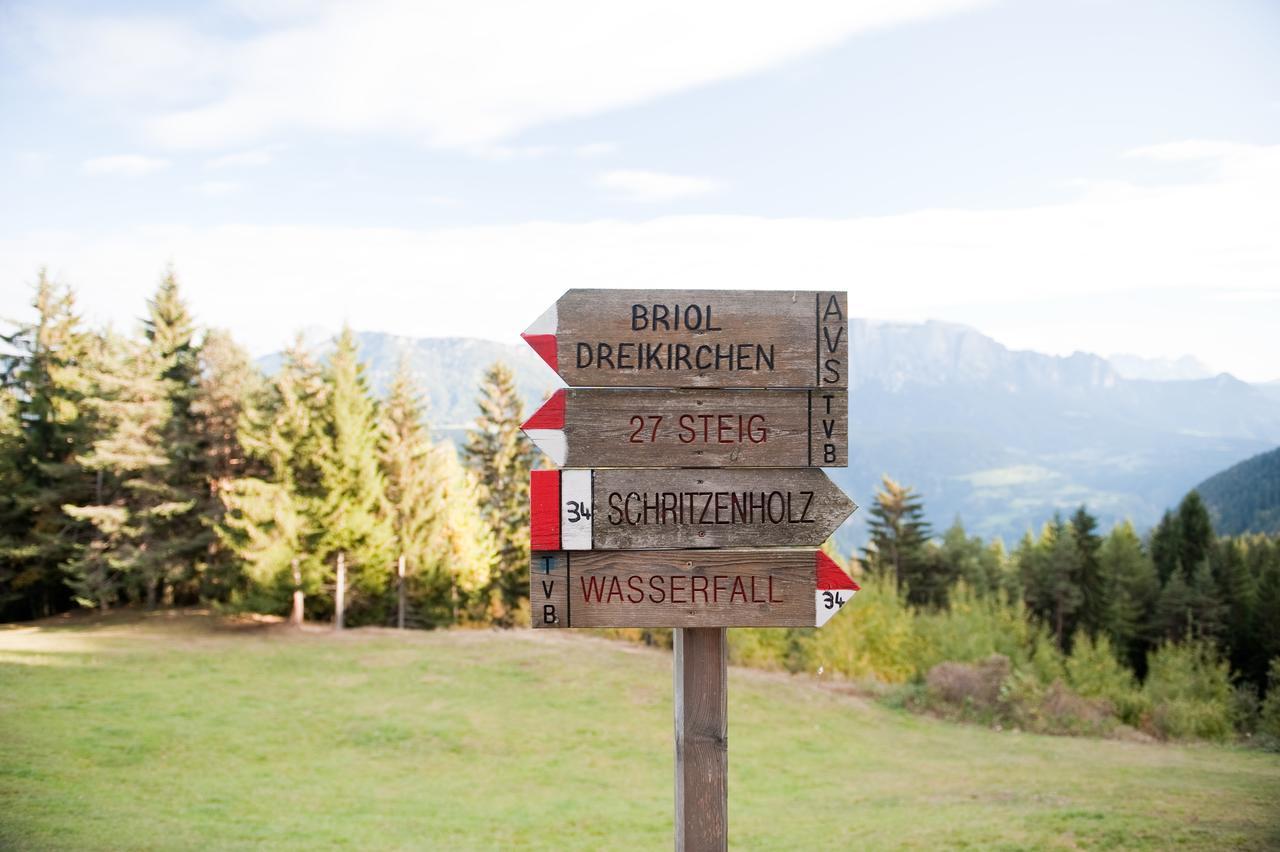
x=340, y=591
x=295, y=617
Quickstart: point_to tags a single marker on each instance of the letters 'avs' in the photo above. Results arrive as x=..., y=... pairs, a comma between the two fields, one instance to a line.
x=696, y=338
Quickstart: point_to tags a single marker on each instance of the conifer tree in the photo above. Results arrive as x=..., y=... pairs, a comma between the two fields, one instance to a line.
x=898, y=533
x=1166, y=547
x=270, y=515
x=1050, y=568
x=501, y=458
x=1195, y=533
x=1088, y=543
x=465, y=546
x=182, y=540
x=351, y=515
x=46, y=428
x=1132, y=587
x=414, y=492
x=228, y=382
x=133, y=502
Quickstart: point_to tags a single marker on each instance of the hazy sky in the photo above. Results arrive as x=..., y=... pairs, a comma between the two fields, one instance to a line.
x=1061, y=175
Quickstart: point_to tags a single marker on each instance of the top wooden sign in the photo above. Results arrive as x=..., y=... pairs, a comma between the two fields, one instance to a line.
x=696, y=338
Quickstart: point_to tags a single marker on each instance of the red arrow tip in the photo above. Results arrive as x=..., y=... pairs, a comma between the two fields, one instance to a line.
x=545, y=346
x=831, y=575
x=550, y=415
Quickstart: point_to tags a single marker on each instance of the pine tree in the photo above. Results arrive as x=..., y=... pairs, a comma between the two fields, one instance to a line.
x=1050, y=568
x=351, y=511
x=271, y=515
x=464, y=544
x=1166, y=547
x=133, y=502
x=1195, y=532
x=898, y=533
x=228, y=382
x=46, y=428
x=1132, y=588
x=415, y=496
x=182, y=540
x=1093, y=601
x=501, y=458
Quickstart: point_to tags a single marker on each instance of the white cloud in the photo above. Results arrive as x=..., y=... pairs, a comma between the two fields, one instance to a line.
x=124, y=165
x=452, y=74
x=242, y=159
x=649, y=187
x=595, y=149
x=218, y=188
x=1153, y=270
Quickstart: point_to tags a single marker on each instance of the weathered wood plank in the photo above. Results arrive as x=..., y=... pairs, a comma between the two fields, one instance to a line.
x=549, y=589
x=687, y=588
x=596, y=427
x=700, y=665
x=617, y=509
x=696, y=338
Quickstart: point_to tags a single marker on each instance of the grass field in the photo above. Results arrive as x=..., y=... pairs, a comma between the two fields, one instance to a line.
x=187, y=732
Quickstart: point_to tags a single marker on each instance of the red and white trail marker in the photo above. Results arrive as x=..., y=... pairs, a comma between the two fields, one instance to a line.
x=696, y=338
x=687, y=588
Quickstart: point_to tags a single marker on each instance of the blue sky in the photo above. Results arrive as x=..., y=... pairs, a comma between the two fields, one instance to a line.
x=1066, y=175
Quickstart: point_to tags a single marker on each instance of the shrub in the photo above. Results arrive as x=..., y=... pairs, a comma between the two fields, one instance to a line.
x=1055, y=708
x=972, y=629
x=1093, y=671
x=761, y=648
x=1189, y=688
x=1269, y=713
x=971, y=688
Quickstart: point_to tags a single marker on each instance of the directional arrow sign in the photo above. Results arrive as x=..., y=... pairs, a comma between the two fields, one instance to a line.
x=683, y=588
x=693, y=428
x=638, y=509
x=696, y=338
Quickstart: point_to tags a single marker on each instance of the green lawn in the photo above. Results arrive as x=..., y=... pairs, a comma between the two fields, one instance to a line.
x=185, y=732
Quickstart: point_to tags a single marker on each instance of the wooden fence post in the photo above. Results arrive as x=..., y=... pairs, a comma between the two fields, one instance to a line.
x=702, y=739
x=340, y=591
x=400, y=593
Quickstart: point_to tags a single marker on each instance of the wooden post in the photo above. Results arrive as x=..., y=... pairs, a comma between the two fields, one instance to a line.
x=400, y=593
x=702, y=739
x=296, y=616
x=340, y=591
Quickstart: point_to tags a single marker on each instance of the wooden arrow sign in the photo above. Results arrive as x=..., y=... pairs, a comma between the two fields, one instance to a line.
x=638, y=509
x=687, y=588
x=696, y=338
x=693, y=428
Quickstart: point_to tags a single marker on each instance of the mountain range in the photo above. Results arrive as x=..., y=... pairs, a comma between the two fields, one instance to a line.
x=999, y=438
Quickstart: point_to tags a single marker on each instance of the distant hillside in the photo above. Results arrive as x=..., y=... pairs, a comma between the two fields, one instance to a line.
x=1245, y=497
x=997, y=437
x=448, y=369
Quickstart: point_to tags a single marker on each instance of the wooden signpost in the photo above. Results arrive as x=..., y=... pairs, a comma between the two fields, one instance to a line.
x=686, y=588
x=596, y=427
x=696, y=338
x=638, y=509
x=690, y=495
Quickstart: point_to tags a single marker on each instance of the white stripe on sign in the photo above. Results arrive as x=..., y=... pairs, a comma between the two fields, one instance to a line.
x=829, y=601
x=575, y=509
x=551, y=442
